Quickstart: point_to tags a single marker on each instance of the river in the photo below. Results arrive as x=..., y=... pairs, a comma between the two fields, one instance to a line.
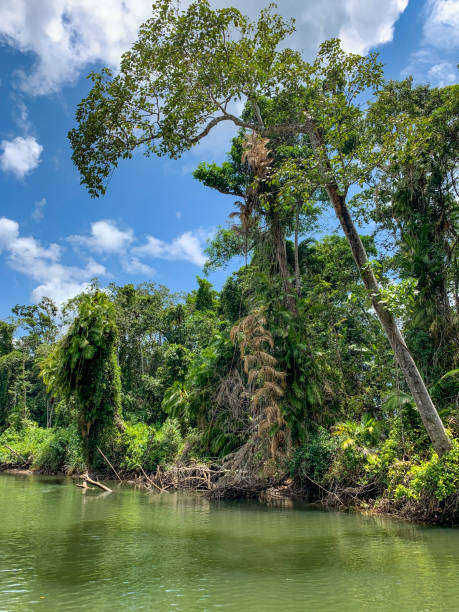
x=64, y=549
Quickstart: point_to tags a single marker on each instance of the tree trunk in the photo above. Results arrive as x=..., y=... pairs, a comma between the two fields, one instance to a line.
x=280, y=252
x=24, y=389
x=297, y=261
x=456, y=285
x=119, y=423
x=427, y=410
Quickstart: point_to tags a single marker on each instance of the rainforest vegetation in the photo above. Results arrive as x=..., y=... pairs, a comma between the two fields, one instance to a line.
x=327, y=365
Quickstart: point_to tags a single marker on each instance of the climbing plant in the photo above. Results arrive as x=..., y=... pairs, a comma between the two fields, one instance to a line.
x=83, y=366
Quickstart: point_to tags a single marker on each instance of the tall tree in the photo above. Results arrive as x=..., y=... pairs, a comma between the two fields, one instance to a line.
x=178, y=82
x=205, y=295
x=415, y=198
x=10, y=365
x=140, y=323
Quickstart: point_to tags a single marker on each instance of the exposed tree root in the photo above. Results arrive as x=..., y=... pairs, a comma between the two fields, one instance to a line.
x=426, y=510
x=248, y=472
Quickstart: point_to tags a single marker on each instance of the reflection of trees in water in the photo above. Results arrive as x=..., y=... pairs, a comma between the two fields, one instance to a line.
x=147, y=549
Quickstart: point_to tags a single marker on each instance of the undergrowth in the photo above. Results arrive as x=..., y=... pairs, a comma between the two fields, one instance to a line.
x=59, y=449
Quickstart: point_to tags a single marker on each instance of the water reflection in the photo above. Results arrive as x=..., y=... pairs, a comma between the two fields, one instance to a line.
x=65, y=549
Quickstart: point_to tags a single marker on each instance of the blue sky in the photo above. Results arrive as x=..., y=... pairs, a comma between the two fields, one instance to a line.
x=155, y=219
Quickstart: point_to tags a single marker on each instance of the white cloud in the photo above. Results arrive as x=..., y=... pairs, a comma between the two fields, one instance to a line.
x=43, y=264
x=20, y=156
x=61, y=283
x=441, y=28
x=442, y=74
x=186, y=247
x=9, y=231
x=58, y=281
x=23, y=251
x=133, y=265
x=361, y=24
x=67, y=36
x=20, y=113
x=426, y=67
x=436, y=58
x=368, y=24
x=105, y=237
x=178, y=214
x=37, y=213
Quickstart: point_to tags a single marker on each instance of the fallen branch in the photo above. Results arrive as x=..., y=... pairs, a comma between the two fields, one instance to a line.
x=323, y=488
x=158, y=473
x=85, y=487
x=151, y=481
x=96, y=483
x=107, y=460
x=17, y=454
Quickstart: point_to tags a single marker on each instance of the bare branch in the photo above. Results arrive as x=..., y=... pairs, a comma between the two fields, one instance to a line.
x=208, y=127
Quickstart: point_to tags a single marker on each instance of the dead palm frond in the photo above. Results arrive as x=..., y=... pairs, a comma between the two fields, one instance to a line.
x=256, y=154
x=268, y=383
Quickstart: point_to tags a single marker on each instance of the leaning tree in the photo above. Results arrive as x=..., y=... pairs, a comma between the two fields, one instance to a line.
x=181, y=78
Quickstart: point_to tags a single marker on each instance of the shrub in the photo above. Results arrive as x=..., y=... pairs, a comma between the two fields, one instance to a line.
x=436, y=476
x=61, y=452
x=313, y=458
x=348, y=467
x=163, y=446
x=379, y=464
x=25, y=443
x=134, y=443
x=144, y=446
x=50, y=450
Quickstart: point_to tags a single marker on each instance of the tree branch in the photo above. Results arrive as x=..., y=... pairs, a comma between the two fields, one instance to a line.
x=208, y=127
x=274, y=130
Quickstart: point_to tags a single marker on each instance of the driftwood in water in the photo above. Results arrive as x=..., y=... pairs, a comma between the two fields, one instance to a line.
x=240, y=474
x=245, y=473
x=85, y=486
x=216, y=480
x=87, y=479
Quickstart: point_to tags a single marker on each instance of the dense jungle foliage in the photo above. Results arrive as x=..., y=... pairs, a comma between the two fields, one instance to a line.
x=287, y=372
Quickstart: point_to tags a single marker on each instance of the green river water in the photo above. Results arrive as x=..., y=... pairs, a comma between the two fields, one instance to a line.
x=62, y=549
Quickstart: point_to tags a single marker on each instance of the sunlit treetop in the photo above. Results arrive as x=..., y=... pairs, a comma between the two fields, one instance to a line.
x=187, y=68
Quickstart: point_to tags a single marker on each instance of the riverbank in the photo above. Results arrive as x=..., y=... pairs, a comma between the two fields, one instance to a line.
x=418, y=487
x=199, y=477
